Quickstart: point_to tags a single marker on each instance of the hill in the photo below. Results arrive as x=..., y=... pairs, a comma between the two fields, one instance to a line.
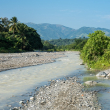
x=55, y=31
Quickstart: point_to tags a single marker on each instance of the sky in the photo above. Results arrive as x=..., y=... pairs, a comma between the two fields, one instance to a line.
x=70, y=13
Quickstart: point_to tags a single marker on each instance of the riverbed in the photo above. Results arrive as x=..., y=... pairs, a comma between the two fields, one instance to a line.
x=21, y=83
x=18, y=84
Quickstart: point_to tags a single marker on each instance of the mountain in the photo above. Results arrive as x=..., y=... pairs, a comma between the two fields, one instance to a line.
x=55, y=31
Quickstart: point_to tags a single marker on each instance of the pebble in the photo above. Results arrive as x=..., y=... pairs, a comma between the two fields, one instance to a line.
x=31, y=98
x=63, y=95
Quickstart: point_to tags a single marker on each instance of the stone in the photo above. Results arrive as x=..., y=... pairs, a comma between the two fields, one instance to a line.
x=108, y=75
x=91, y=83
x=37, y=55
x=21, y=102
x=15, y=108
x=101, y=74
x=31, y=98
x=81, y=63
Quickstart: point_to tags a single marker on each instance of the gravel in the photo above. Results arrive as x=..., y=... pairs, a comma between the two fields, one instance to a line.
x=63, y=95
x=17, y=60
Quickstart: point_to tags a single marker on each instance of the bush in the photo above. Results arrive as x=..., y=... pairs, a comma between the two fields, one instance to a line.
x=96, y=51
x=95, y=46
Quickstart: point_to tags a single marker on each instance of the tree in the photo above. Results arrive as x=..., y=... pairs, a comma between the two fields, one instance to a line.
x=30, y=38
x=4, y=24
x=0, y=20
x=95, y=46
x=22, y=29
x=1, y=26
x=47, y=45
x=13, y=23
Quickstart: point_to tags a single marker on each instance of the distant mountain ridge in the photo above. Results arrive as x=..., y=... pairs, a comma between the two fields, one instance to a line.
x=55, y=31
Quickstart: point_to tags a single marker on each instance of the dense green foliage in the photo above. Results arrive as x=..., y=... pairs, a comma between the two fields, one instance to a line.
x=77, y=44
x=96, y=52
x=59, y=42
x=47, y=45
x=16, y=37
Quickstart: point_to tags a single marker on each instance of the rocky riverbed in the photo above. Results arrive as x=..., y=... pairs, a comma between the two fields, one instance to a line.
x=17, y=60
x=62, y=95
x=66, y=94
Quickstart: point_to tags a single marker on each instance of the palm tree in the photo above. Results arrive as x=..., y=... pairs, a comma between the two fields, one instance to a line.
x=13, y=23
x=22, y=30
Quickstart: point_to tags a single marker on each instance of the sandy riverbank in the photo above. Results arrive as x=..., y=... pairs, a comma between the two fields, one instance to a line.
x=17, y=60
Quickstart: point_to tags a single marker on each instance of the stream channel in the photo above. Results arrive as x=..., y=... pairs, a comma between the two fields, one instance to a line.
x=21, y=83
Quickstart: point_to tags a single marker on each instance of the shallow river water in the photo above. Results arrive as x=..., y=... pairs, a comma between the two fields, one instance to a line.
x=16, y=83
x=20, y=84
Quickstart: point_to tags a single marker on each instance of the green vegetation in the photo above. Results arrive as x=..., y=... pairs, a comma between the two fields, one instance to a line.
x=96, y=52
x=77, y=44
x=90, y=78
x=59, y=42
x=98, y=84
x=17, y=37
x=102, y=85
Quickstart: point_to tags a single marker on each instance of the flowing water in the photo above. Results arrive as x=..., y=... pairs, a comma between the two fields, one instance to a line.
x=20, y=84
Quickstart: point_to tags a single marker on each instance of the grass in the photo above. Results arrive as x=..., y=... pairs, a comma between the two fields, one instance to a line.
x=97, y=85
x=90, y=78
x=102, y=84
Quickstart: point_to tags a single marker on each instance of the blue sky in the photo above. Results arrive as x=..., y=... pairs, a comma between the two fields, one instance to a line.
x=70, y=13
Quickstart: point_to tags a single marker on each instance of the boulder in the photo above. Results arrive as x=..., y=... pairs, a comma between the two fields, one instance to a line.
x=108, y=75
x=101, y=74
x=81, y=63
x=91, y=83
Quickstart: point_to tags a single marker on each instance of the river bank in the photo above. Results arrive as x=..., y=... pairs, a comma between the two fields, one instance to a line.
x=17, y=60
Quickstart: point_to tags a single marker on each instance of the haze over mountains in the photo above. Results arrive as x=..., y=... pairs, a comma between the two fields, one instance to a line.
x=55, y=31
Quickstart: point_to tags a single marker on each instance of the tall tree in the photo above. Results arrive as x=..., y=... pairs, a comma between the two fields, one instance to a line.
x=22, y=29
x=0, y=20
x=13, y=22
x=5, y=23
x=1, y=26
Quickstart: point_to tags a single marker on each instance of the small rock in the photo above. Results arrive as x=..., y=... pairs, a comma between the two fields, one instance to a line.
x=21, y=102
x=101, y=74
x=81, y=63
x=91, y=83
x=15, y=108
x=9, y=105
x=31, y=98
x=43, y=103
x=37, y=55
x=108, y=75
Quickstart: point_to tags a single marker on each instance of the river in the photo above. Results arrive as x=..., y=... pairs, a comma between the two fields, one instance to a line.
x=20, y=84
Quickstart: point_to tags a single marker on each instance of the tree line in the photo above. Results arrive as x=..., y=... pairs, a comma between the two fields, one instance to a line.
x=16, y=36
x=73, y=44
